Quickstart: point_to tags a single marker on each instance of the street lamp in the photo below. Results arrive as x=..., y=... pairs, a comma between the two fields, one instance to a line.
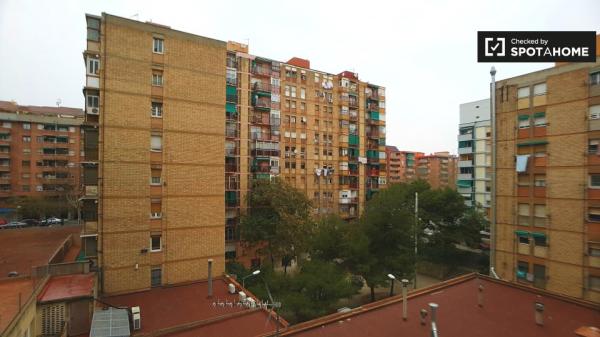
x=254, y=273
x=392, y=279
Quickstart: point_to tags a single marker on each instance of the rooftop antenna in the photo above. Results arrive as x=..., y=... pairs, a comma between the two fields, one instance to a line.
x=58, y=102
x=136, y=15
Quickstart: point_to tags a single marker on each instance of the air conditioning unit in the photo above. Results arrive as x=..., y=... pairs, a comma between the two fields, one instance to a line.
x=231, y=288
x=595, y=115
x=93, y=111
x=251, y=303
x=136, y=317
x=137, y=321
x=242, y=296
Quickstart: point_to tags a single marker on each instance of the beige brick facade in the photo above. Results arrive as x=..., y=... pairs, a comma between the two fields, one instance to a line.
x=547, y=235
x=183, y=206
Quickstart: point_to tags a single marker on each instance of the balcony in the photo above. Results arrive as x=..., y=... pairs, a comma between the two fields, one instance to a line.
x=466, y=137
x=465, y=163
x=540, y=251
x=524, y=248
x=465, y=150
x=262, y=87
x=261, y=103
x=465, y=176
x=261, y=70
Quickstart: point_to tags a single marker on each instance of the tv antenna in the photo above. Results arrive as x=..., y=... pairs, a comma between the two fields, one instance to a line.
x=58, y=102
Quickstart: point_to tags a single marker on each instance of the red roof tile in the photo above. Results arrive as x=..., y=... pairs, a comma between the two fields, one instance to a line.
x=508, y=311
x=6, y=106
x=185, y=310
x=60, y=288
x=298, y=62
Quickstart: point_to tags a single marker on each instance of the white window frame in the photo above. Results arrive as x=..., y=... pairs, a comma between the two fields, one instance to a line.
x=26, y=126
x=590, y=182
x=155, y=183
x=93, y=66
x=523, y=92
x=540, y=89
x=95, y=99
x=158, y=45
x=159, y=243
x=156, y=111
x=303, y=93
x=293, y=91
x=154, y=149
x=157, y=79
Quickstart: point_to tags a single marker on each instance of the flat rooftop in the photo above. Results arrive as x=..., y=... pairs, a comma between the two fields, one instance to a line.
x=13, y=291
x=508, y=311
x=21, y=249
x=185, y=310
x=66, y=287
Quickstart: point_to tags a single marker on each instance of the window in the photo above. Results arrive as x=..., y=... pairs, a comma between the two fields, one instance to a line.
x=539, y=181
x=293, y=91
x=155, y=243
x=595, y=78
x=594, y=214
x=287, y=91
x=594, y=251
x=155, y=276
x=158, y=45
x=594, y=181
x=594, y=282
x=157, y=109
x=539, y=213
x=26, y=188
x=523, y=240
x=155, y=215
x=157, y=79
x=93, y=29
x=25, y=163
x=523, y=92
x=155, y=180
x=539, y=89
x=26, y=139
x=539, y=119
x=593, y=146
x=93, y=66
x=7, y=125
x=93, y=101
x=540, y=240
x=303, y=93
x=156, y=143
x=26, y=151
x=522, y=269
x=524, y=214
x=524, y=122
x=26, y=126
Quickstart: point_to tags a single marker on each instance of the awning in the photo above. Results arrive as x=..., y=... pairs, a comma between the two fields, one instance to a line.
x=539, y=114
x=532, y=143
x=523, y=117
x=521, y=233
x=522, y=163
x=230, y=107
x=538, y=235
x=464, y=183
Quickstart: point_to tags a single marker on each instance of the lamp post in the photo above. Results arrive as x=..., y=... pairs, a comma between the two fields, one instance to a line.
x=254, y=273
x=416, y=234
x=392, y=279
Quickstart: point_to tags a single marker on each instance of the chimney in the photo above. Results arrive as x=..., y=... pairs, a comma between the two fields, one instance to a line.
x=210, y=289
x=404, y=299
x=423, y=314
x=539, y=313
x=480, y=296
x=434, y=330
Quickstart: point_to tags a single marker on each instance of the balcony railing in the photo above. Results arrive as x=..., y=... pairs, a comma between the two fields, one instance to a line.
x=262, y=71
x=261, y=86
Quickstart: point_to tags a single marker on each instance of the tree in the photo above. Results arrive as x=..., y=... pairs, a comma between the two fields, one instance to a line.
x=330, y=240
x=383, y=240
x=278, y=221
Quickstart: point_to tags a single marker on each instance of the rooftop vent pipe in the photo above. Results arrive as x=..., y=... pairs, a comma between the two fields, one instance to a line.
x=434, y=330
x=423, y=314
x=210, y=288
x=404, y=299
x=539, y=313
x=480, y=296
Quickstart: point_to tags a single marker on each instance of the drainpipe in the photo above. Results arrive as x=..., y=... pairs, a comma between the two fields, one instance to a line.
x=493, y=199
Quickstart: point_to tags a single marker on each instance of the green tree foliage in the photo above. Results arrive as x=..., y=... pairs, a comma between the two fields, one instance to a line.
x=312, y=292
x=383, y=240
x=278, y=220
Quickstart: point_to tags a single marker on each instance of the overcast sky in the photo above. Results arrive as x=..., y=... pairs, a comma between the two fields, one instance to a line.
x=423, y=52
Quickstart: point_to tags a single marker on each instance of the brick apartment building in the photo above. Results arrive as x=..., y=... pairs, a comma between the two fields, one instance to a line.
x=401, y=165
x=322, y=133
x=475, y=153
x=438, y=169
x=178, y=127
x=548, y=179
x=154, y=145
x=39, y=151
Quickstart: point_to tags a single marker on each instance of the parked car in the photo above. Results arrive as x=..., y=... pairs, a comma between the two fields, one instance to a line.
x=31, y=222
x=14, y=224
x=3, y=221
x=52, y=221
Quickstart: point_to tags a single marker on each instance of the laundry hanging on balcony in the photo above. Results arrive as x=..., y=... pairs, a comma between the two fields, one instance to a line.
x=522, y=163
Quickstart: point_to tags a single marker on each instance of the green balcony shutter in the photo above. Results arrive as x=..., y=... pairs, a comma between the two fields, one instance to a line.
x=230, y=107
